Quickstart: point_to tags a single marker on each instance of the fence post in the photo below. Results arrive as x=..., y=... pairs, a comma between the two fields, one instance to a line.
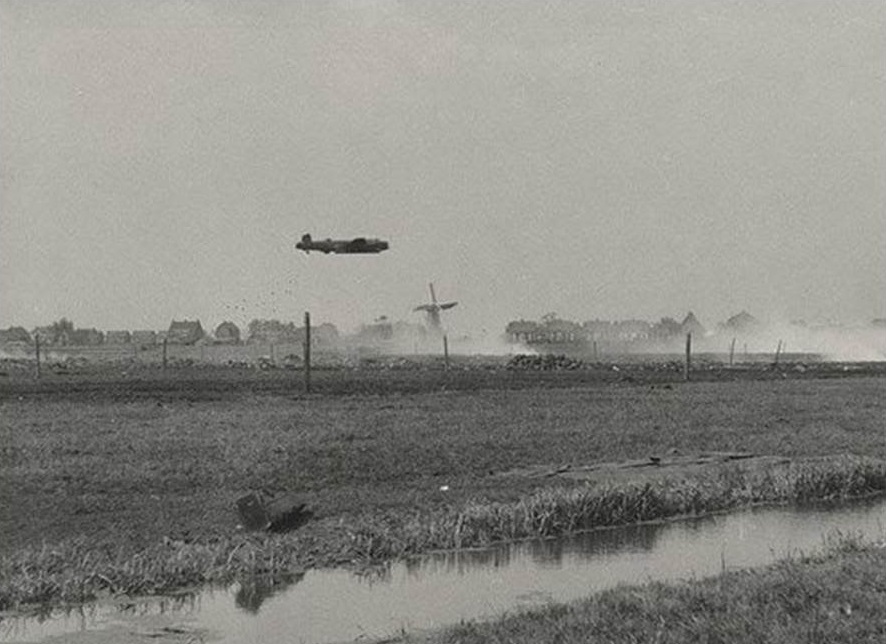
x=307, y=352
x=37, y=349
x=687, y=365
x=777, y=351
x=164, y=354
x=731, y=351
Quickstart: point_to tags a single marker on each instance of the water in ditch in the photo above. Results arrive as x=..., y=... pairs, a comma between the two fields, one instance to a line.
x=442, y=589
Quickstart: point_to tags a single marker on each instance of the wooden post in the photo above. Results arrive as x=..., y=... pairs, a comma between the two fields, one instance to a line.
x=165, y=362
x=307, y=352
x=745, y=351
x=688, y=356
x=731, y=351
x=777, y=351
x=595, y=351
x=271, y=354
x=446, y=351
x=37, y=349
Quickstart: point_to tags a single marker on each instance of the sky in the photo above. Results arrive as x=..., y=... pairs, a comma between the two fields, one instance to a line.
x=627, y=159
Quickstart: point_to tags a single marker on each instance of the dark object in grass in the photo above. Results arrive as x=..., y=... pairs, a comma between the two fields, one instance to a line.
x=253, y=515
x=280, y=514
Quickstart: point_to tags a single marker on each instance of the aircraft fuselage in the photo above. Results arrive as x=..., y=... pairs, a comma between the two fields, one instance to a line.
x=342, y=246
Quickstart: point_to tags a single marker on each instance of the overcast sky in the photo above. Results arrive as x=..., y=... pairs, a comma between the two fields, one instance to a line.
x=595, y=159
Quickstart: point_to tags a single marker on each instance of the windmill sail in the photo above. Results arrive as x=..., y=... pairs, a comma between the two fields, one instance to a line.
x=433, y=309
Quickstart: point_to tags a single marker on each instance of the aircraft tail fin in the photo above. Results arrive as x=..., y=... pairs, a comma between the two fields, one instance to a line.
x=305, y=243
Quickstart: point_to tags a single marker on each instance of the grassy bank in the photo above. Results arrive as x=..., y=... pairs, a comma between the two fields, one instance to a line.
x=559, y=511
x=837, y=597
x=76, y=571
x=123, y=493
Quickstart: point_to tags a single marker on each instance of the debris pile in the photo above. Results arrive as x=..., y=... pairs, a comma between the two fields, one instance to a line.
x=544, y=363
x=292, y=361
x=181, y=363
x=13, y=365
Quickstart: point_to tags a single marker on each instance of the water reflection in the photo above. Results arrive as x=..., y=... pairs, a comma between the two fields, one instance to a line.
x=443, y=588
x=46, y=623
x=252, y=593
x=551, y=552
x=542, y=552
x=459, y=563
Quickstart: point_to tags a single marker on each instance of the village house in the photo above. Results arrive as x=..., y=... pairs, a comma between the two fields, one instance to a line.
x=50, y=336
x=185, y=332
x=325, y=334
x=118, y=337
x=15, y=335
x=617, y=331
x=86, y=337
x=551, y=329
x=144, y=339
x=272, y=331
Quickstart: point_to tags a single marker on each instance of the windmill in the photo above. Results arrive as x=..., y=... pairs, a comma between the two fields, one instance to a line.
x=433, y=310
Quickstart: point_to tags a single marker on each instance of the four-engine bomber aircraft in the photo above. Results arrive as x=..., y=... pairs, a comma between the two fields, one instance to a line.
x=356, y=245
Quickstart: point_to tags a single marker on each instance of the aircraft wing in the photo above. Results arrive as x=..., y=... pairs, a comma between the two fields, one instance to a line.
x=356, y=245
x=363, y=245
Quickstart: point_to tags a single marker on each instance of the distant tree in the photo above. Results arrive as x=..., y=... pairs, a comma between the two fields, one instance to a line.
x=63, y=325
x=327, y=333
x=61, y=331
x=252, y=328
x=742, y=322
x=227, y=332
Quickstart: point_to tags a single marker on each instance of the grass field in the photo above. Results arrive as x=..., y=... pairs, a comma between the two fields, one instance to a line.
x=107, y=466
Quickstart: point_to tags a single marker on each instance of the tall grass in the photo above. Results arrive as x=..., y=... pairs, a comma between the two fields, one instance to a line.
x=75, y=571
x=558, y=511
